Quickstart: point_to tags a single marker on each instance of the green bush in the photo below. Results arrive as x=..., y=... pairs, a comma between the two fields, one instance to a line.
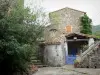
x=75, y=61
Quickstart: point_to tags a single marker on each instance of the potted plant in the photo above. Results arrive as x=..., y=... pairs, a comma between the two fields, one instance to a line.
x=76, y=63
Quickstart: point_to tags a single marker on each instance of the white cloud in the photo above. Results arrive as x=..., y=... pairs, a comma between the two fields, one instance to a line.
x=89, y=6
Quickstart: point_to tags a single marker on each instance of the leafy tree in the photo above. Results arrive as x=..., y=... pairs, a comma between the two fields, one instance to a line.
x=19, y=34
x=86, y=27
x=54, y=17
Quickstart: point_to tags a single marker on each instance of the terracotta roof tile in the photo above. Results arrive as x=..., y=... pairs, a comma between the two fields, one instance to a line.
x=55, y=40
x=81, y=34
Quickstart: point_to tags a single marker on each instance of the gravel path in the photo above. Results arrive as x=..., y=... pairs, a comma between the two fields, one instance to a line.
x=67, y=70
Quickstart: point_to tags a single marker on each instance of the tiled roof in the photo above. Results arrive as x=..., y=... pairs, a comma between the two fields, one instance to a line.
x=55, y=40
x=61, y=38
x=81, y=34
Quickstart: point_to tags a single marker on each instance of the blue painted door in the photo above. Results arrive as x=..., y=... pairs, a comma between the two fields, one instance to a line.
x=70, y=59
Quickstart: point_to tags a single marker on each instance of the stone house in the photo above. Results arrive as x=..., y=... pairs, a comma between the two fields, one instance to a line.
x=63, y=40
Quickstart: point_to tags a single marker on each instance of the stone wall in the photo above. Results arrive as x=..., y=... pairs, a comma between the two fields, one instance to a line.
x=49, y=35
x=66, y=16
x=60, y=19
x=92, y=59
x=54, y=55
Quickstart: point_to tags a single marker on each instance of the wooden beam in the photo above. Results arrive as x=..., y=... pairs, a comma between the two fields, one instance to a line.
x=71, y=40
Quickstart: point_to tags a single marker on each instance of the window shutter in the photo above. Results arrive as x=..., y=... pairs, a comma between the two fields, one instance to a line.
x=69, y=28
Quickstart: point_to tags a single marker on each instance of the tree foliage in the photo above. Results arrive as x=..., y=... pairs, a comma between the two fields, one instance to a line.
x=19, y=31
x=55, y=19
x=86, y=27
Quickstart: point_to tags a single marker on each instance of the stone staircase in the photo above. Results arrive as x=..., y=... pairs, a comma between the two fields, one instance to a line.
x=91, y=57
x=37, y=62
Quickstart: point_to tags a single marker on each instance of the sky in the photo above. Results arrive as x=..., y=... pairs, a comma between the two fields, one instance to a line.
x=89, y=6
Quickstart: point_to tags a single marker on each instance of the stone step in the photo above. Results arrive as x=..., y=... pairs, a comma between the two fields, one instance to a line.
x=34, y=58
x=36, y=61
x=41, y=66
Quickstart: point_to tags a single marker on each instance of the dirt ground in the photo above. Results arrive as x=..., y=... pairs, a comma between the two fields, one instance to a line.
x=67, y=70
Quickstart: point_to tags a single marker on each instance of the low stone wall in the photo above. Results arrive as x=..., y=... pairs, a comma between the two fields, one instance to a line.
x=54, y=55
x=92, y=60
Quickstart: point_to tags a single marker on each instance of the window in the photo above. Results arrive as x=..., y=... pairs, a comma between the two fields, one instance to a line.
x=53, y=32
x=69, y=28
